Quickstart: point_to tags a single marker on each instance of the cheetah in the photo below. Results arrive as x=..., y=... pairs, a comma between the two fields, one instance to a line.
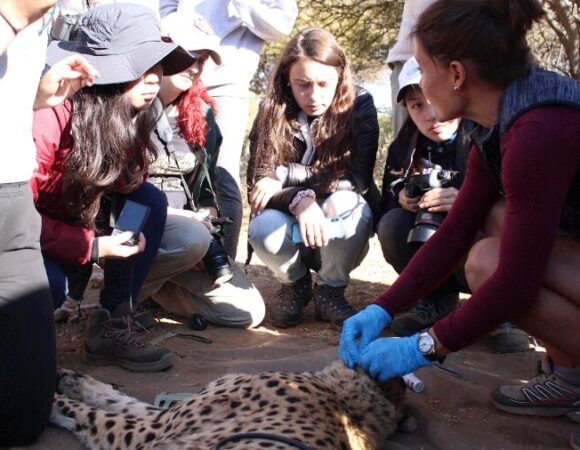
x=335, y=408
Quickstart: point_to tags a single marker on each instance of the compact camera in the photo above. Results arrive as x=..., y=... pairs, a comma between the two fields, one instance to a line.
x=426, y=223
x=216, y=259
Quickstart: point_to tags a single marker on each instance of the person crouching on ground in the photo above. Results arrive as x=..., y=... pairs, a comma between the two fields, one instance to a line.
x=522, y=186
x=422, y=147
x=312, y=152
x=92, y=154
x=206, y=281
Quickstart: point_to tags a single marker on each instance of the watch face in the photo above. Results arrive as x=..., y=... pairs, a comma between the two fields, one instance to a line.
x=426, y=344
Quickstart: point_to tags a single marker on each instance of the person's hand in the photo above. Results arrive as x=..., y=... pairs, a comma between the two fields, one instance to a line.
x=312, y=222
x=366, y=325
x=262, y=192
x=20, y=13
x=114, y=247
x=438, y=199
x=388, y=358
x=409, y=203
x=62, y=81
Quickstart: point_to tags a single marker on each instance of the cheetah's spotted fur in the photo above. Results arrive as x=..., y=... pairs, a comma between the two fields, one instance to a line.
x=335, y=408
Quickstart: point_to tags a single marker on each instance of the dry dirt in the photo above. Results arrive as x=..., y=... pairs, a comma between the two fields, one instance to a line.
x=452, y=413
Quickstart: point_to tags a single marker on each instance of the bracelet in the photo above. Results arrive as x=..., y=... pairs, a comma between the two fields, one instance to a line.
x=299, y=196
x=14, y=29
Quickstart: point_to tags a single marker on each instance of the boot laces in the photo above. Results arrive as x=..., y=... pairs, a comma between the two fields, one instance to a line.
x=126, y=331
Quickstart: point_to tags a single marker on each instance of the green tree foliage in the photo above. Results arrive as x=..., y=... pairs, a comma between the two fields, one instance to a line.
x=367, y=29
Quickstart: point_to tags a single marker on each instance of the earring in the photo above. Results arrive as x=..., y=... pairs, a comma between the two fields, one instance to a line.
x=455, y=88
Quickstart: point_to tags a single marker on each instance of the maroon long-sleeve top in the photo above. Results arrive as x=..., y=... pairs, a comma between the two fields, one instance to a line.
x=540, y=157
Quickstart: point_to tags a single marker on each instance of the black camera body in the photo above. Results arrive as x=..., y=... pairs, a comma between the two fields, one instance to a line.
x=216, y=260
x=426, y=223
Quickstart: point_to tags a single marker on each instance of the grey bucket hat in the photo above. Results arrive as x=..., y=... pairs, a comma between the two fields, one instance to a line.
x=122, y=41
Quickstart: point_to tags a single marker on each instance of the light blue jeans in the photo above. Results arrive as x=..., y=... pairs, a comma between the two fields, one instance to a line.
x=270, y=234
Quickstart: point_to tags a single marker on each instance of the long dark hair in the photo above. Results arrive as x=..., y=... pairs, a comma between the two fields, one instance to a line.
x=277, y=121
x=489, y=33
x=108, y=134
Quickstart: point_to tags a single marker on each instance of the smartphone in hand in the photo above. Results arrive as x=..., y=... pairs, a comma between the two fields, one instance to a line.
x=132, y=218
x=335, y=230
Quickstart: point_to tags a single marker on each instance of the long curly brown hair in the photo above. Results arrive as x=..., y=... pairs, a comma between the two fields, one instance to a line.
x=108, y=134
x=277, y=121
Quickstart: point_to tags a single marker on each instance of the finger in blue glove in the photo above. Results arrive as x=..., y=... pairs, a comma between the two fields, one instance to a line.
x=388, y=358
x=366, y=325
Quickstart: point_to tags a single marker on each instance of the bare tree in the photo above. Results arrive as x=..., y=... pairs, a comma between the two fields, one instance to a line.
x=556, y=42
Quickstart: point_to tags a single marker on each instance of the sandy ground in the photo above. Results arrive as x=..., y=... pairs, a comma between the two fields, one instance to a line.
x=452, y=413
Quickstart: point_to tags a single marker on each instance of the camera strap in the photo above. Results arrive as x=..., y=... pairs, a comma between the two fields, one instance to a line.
x=164, y=133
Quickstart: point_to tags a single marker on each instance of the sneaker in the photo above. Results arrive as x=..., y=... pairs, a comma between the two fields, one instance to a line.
x=424, y=314
x=575, y=440
x=119, y=341
x=331, y=306
x=544, y=395
x=289, y=301
x=509, y=339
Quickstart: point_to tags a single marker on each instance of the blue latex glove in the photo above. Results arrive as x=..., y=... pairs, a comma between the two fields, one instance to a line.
x=387, y=358
x=366, y=325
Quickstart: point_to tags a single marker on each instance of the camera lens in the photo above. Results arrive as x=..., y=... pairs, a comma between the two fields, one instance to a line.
x=217, y=263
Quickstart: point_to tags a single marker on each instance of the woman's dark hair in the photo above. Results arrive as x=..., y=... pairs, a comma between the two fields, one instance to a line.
x=108, y=135
x=277, y=121
x=489, y=33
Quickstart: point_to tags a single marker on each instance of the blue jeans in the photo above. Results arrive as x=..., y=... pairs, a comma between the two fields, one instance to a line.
x=270, y=234
x=123, y=278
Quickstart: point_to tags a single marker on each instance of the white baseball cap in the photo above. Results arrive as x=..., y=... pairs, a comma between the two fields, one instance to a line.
x=191, y=33
x=410, y=74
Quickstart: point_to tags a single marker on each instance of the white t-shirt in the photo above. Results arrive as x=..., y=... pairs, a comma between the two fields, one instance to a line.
x=20, y=69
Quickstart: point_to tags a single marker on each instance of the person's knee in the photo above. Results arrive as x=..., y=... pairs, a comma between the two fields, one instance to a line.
x=392, y=231
x=192, y=240
x=481, y=261
x=341, y=202
x=268, y=231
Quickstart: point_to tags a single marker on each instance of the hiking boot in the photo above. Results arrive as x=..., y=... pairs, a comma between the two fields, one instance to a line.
x=509, y=339
x=143, y=317
x=119, y=341
x=425, y=313
x=545, y=395
x=286, y=309
x=331, y=306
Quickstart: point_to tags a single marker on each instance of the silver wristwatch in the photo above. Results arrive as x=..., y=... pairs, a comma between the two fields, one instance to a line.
x=426, y=345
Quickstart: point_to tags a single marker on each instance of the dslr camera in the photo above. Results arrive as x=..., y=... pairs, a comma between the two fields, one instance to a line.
x=426, y=223
x=216, y=259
